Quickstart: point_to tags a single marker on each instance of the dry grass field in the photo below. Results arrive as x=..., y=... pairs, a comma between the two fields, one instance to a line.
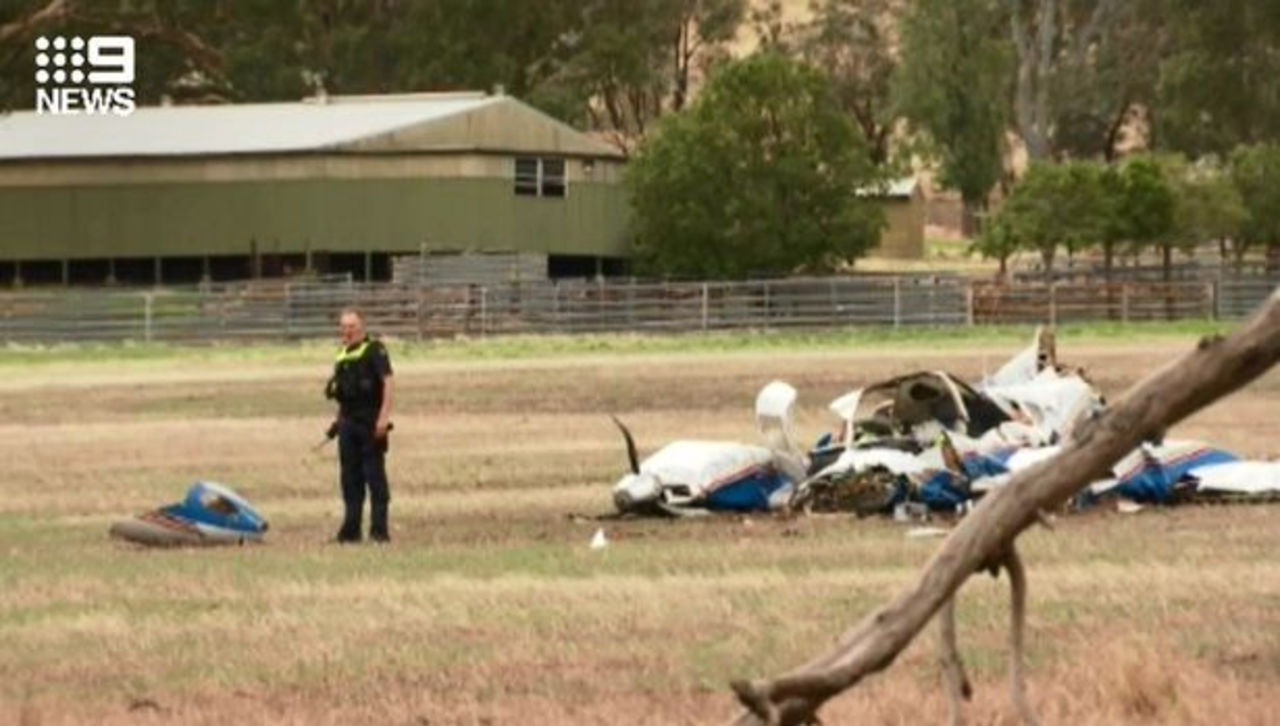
x=488, y=608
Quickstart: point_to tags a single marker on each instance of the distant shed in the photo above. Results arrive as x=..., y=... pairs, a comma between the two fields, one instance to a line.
x=340, y=184
x=903, y=203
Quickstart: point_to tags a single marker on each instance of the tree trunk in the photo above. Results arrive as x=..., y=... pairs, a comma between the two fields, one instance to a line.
x=1047, y=253
x=1035, y=59
x=971, y=216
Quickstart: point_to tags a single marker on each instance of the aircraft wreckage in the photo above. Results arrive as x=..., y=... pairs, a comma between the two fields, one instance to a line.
x=924, y=441
x=210, y=514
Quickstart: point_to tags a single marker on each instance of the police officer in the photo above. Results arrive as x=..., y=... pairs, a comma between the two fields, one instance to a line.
x=361, y=384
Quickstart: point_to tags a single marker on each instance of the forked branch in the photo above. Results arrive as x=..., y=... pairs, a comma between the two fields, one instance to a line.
x=1217, y=367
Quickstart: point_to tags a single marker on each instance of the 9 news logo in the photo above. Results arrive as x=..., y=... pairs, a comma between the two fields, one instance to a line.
x=75, y=76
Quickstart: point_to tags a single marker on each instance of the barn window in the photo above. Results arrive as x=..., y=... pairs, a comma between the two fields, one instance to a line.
x=527, y=177
x=539, y=177
x=553, y=177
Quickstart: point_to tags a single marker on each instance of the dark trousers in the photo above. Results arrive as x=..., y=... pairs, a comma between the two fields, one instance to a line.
x=363, y=460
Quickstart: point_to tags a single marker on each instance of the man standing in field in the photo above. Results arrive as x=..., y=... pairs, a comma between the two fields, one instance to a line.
x=361, y=384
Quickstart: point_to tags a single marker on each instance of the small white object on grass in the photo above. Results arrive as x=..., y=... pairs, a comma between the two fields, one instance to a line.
x=598, y=541
x=1125, y=506
x=923, y=532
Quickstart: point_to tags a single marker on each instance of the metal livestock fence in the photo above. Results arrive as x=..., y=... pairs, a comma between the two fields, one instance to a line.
x=280, y=310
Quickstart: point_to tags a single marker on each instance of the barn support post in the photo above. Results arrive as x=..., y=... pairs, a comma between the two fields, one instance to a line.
x=602, y=318
x=421, y=299
x=705, y=304
x=148, y=301
x=288, y=310
x=631, y=304
x=897, y=303
x=555, y=307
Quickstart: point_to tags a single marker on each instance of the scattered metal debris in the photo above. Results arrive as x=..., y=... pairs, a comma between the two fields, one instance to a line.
x=211, y=514
x=926, y=442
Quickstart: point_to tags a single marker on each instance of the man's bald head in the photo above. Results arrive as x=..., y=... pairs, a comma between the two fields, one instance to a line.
x=351, y=326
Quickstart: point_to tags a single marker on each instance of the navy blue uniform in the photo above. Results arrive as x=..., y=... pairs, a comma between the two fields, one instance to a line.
x=358, y=384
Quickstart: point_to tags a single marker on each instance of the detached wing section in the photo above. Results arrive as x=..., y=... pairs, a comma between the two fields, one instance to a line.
x=210, y=514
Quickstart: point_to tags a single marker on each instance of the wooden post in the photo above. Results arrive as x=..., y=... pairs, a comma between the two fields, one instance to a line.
x=555, y=306
x=968, y=304
x=897, y=303
x=1124, y=303
x=147, y=300
x=705, y=304
x=419, y=318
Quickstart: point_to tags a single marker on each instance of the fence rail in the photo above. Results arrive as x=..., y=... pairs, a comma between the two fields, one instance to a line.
x=278, y=310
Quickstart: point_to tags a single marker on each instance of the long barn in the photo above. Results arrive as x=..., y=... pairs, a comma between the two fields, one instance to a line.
x=343, y=184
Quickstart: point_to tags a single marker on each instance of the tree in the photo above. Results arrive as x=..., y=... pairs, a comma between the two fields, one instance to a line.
x=1218, y=86
x=182, y=58
x=631, y=62
x=1255, y=172
x=1055, y=206
x=266, y=50
x=952, y=87
x=1145, y=208
x=1208, y=207
x=999, y=240
x=762, y=174
x=852, y=40
x=1082, y=67
x=1103, y=78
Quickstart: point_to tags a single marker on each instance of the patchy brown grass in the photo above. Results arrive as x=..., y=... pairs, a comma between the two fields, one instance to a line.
x=489, y=608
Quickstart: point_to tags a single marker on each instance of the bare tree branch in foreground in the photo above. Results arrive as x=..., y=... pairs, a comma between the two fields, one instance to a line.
x=984, y=539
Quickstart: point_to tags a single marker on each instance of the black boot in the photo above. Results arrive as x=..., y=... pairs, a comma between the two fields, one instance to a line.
x=350, y=531
x=378, y=531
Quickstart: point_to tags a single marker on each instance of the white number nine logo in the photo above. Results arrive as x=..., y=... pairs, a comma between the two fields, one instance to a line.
x=111, y=57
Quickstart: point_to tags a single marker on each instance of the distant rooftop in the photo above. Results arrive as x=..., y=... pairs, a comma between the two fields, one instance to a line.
x=900, y=188
x=332, y=123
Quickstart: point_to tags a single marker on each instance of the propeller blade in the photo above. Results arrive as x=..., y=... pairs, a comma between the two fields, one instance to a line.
x=631, y=446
